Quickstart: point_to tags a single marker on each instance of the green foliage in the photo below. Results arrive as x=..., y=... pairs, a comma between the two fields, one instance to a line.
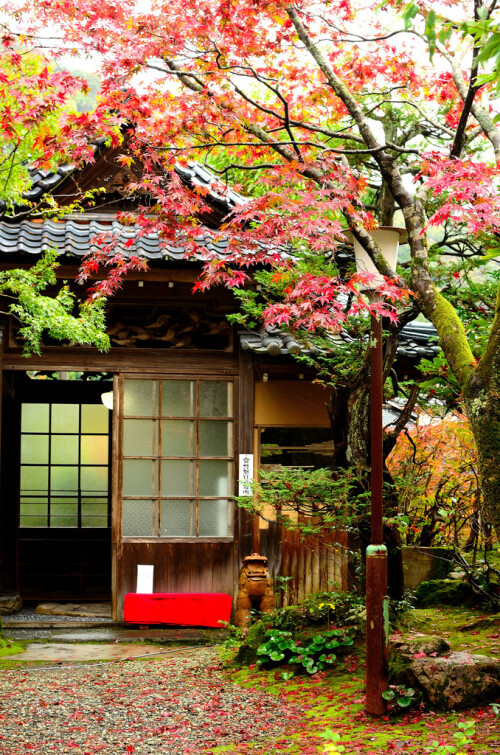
x=463, y=738
x=52, y=315
x=320, y=609
x=332, y=499
x=445, y=592
x=317, y=655
x=401, y=696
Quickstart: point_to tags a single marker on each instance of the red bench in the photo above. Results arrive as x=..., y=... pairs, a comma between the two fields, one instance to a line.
x=186, y=609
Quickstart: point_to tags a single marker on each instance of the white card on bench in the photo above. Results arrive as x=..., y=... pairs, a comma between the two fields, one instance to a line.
x=145, y=578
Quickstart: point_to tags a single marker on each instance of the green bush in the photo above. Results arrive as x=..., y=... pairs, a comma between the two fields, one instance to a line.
x=445, y=592
x=280, y=648
x=320, y=609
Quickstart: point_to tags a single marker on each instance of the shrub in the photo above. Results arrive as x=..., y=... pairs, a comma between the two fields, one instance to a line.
x=280, y=648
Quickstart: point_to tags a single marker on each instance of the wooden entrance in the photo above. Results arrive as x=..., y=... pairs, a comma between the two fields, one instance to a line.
x=63, y=492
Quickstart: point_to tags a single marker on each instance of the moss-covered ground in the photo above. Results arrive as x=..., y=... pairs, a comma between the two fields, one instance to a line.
x=334, y=701
x=8, y=647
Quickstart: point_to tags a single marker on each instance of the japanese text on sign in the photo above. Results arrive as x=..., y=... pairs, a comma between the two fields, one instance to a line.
x=245, y=474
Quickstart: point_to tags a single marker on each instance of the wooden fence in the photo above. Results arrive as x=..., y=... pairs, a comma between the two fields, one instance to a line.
x=312, y=563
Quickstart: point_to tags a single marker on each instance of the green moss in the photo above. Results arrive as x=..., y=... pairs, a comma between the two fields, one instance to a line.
x=256, y=636
x=445, y=592
x=9, y=648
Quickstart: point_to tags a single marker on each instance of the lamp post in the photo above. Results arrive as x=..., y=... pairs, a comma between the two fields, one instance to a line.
x=377, y=609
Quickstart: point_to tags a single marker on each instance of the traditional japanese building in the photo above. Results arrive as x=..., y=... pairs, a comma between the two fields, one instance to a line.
x=130, y=457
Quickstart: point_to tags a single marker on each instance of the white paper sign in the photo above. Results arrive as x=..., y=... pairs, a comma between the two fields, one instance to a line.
x=145, y=579
x=245, y=474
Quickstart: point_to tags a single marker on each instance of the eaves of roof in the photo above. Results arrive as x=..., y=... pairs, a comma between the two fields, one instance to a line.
x=75, y=237
x=418, y=340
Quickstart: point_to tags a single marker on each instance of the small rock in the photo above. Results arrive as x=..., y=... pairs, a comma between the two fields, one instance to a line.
x=10, y=603
x=90, y=610
x=461, y=680
x=456, y=575
x=411, y=644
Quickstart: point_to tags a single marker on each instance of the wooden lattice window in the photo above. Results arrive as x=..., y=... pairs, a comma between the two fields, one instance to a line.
x=177, y=458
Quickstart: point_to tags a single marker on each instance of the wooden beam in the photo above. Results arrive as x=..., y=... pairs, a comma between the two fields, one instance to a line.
x=245, y=445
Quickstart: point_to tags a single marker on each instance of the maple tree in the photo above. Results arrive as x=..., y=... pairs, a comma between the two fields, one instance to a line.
x=38, y=129
x=341, y=118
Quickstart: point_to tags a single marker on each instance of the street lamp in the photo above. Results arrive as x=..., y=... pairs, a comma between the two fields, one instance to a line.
x=377, y=608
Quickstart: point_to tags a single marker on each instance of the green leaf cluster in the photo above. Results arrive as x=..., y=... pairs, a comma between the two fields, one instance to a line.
x=316, y=655
x=58, y=315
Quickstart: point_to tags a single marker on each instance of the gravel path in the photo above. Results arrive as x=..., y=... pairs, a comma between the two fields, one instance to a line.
x=178, y=704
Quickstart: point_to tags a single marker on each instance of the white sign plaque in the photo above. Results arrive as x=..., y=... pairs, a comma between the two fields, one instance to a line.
x=245, y=474
x=145, y=579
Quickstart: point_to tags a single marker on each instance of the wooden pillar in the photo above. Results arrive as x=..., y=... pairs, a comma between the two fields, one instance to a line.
x=247, y=544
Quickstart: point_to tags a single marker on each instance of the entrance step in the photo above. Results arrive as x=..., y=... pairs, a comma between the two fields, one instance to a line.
x=116, y=634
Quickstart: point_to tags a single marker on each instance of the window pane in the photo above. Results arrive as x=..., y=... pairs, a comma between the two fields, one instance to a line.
x=94, y=514
x=94, y=449
x=213, y=518
x=35, y=418
x=178, y=437
x=34, y=449
x=178, y=477
x=64, y=515
x=94, y=479
x=95, y=418
x=214, y=478
x=137, y=519
x=214, y=398
x=215, y=438
x=64, y=449
x=140, y=398
x=34, y=509
x=140, y=437
x=34, y=478
x=65, y=418
x=139, y=477
x=33, y=521
x=64, y=478
x=178, y=518
x=178, y=398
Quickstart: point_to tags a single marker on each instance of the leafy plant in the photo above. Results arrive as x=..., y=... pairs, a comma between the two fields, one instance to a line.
x=403, y=697
x=316, y=655
x=463, y=738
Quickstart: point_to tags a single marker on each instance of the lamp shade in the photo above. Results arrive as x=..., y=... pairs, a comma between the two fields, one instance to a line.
x=388, y=239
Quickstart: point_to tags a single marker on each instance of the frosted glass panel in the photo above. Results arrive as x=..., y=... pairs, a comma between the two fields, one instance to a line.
x=94, y=449
x=213, y=518
x=178, y=398
x=33, y=521
x=63, y=478
x=140, y=398
x=65, y=418
x=137, y=519
x=94, y=479
x=35, y=418
x=214, y=399
x=35, y=449
x=178, y=437
x=34, y=478
x=178, y=518
x=178, y=477
x=214, y=478
x=64, y=515
x=139, y=477
x=64, y=449
x=215, y=438
x=140, y=437
x=95, y=418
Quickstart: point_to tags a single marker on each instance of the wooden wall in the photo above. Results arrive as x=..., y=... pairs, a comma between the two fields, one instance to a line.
x=315, y=564
x=179, y=567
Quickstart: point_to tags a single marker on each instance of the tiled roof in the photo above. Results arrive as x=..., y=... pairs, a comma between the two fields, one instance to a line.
x=73, y=236
x=417, y=340
x=193, y=174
